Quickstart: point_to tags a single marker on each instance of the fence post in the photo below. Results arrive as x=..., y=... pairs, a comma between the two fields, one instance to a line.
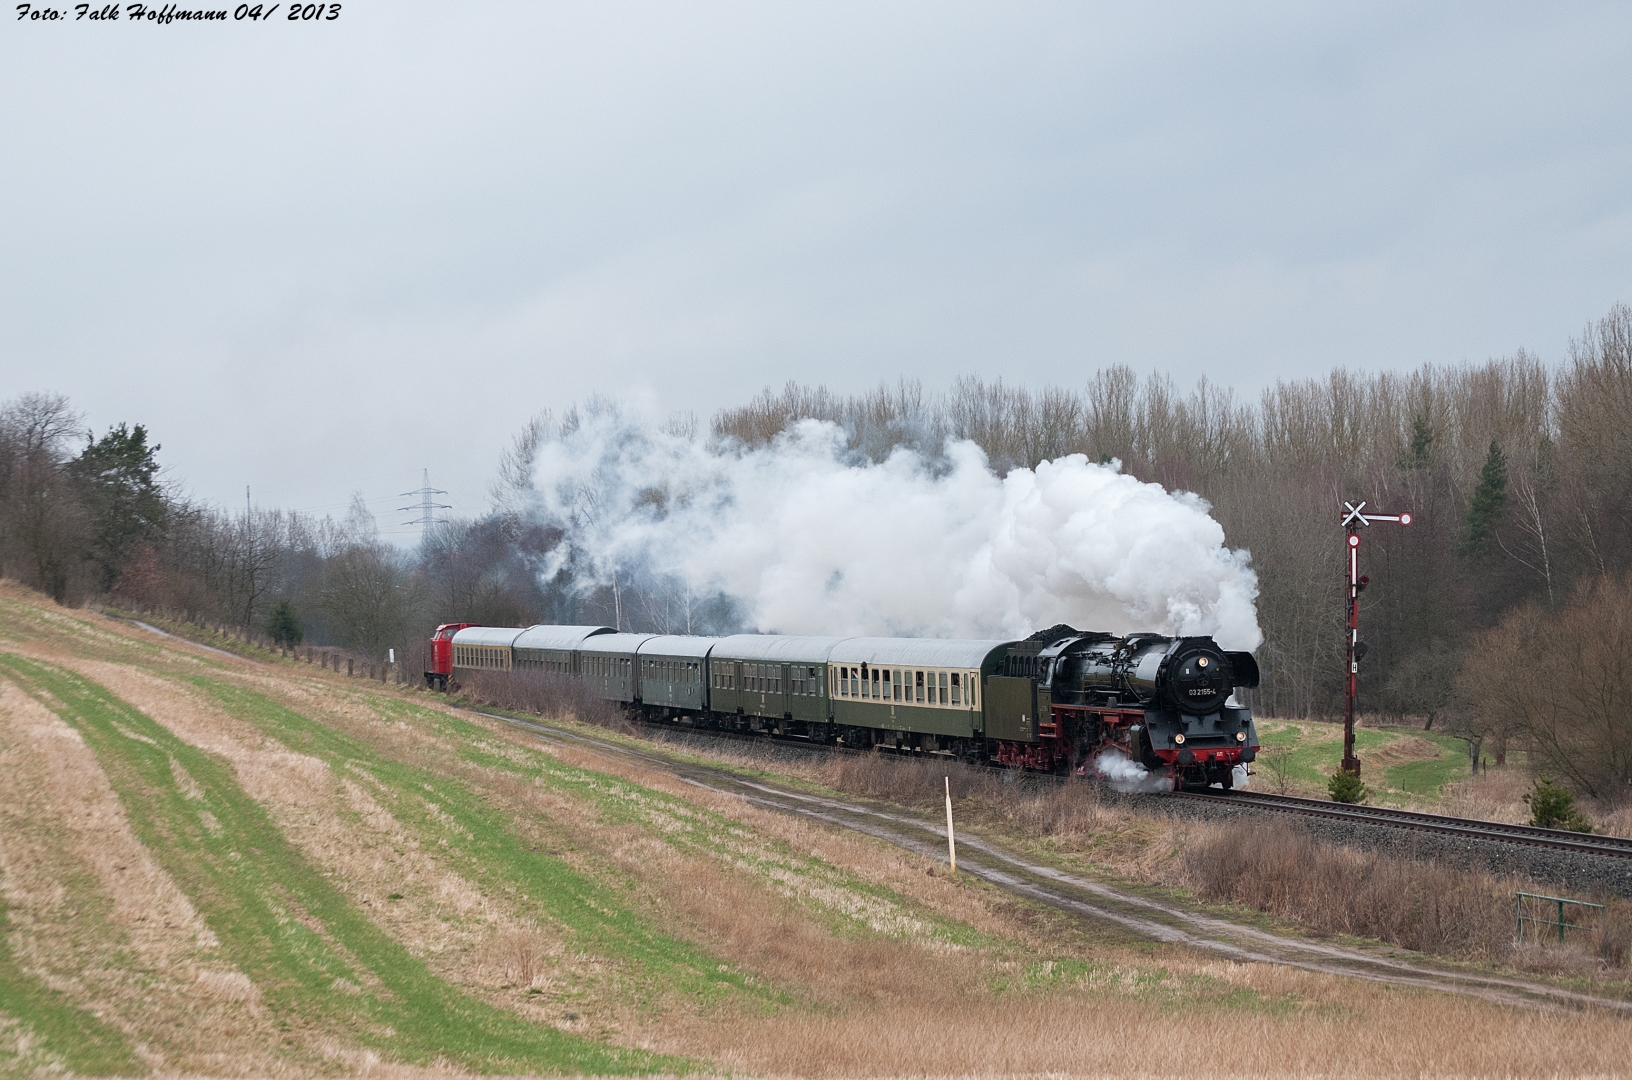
x=349, y=662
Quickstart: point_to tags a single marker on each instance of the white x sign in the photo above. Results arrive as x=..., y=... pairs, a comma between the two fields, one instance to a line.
x=1354, y=515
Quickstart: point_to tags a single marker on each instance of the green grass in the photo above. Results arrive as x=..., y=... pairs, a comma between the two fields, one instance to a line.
x=70, y=1035
x=322, y=966
x=1427, y=778
x=478, y=841
x=1313, y=749
x=865, y=907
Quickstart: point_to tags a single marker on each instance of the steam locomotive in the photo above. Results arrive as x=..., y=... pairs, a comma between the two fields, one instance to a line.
x=1055, y=701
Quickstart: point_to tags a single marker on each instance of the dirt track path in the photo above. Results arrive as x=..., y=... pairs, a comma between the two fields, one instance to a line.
x=1152, y=919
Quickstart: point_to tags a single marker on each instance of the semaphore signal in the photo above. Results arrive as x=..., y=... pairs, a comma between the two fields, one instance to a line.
x=1354, y=518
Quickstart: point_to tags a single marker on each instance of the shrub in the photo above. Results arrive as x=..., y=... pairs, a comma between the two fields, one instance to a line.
x=1553, y=807
x=1346, y=787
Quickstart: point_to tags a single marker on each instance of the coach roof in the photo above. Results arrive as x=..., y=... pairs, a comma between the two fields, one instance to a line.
x=776, y=647
x=917, y=652
x=487, y=635
x=677, y=645
x=614, y=643
x=557, y=637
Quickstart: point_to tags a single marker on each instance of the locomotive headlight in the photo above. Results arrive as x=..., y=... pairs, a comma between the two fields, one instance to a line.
x=1240, y=736
x=1178, y=740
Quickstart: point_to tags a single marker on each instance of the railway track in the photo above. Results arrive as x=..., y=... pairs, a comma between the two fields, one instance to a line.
x=1467, y=828
x=1557, y=839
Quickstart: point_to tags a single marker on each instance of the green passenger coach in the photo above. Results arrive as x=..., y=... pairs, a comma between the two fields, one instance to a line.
x=553, y=649
x=608, y=664
x=768, y=680
x=674, y=674
x=925, y=687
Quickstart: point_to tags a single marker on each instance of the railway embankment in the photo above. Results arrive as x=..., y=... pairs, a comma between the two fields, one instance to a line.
x=1571, y=862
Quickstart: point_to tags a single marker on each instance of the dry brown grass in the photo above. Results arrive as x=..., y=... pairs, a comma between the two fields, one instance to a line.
x=1279, y=868
x=96, y=914
x=1497, y=795
x=1369, y=1034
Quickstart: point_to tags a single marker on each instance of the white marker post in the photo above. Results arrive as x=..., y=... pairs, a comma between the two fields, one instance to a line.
x=951, y=844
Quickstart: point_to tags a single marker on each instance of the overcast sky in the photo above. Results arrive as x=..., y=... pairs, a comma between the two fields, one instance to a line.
x=318, y=257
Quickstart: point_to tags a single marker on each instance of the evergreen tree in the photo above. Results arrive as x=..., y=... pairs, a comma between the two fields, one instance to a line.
x=118, y=476
x=1553, y=807
x=1422, y=436
x=1347, y=787
x=1489, y=498
x=283, y=625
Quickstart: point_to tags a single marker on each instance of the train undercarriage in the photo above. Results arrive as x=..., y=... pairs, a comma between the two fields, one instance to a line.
x=1070, y=744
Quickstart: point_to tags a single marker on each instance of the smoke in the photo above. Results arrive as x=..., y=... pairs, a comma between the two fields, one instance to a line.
x=1240, y=779
x=1126, y=775
x=806, y=541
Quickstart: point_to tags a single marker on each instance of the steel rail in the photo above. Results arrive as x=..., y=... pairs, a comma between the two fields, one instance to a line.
x=1386, y=817
x=1471, y=828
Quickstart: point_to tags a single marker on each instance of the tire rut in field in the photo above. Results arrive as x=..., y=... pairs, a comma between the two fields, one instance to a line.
x=1142, y=916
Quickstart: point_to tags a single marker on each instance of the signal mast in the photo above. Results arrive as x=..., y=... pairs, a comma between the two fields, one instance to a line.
x=1353, y=520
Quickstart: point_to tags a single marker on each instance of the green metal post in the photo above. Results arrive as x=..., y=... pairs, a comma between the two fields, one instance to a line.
x=1561, y=922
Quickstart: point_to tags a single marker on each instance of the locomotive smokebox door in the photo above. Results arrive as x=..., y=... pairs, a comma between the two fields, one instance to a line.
x=1011, y=709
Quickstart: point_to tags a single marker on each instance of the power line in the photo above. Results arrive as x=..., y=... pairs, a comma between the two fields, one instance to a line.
x=427, y=509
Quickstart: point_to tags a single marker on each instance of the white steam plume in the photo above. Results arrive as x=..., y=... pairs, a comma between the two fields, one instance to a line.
x=1125, y=774
x=808, y=542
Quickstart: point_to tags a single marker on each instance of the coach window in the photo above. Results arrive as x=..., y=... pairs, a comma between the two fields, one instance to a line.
x=918, y=685
x=957, y=689
x=875, y=682
x=943, y=688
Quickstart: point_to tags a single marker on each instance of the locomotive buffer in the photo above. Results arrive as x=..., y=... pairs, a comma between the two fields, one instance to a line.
x=1354, y=519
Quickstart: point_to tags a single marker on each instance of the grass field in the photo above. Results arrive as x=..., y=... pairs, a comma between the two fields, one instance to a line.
x=1400, y=766
x=210, y=866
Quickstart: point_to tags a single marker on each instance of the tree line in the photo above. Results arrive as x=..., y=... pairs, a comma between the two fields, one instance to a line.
x=1519, y=474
